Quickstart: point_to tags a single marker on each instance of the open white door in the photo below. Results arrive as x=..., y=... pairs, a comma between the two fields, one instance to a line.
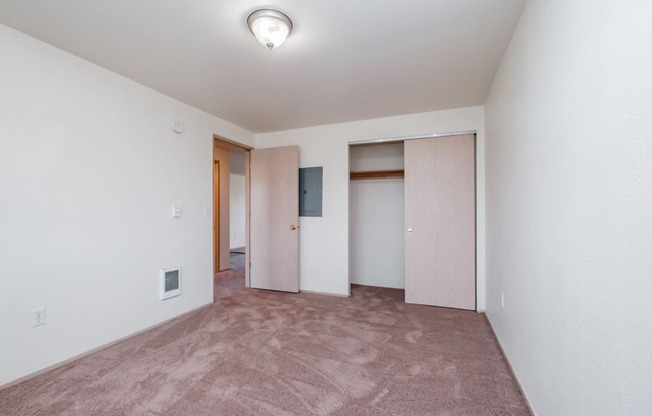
x=440, y=221
x=274, y=219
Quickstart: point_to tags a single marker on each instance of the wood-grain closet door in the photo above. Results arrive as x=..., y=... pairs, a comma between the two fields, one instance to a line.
x=274, y=219
x=440, y=221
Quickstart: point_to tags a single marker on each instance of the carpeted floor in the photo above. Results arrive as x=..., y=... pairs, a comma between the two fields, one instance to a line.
x=268, y=353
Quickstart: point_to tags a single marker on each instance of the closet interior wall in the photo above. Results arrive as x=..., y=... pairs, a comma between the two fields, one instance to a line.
x=377, y=215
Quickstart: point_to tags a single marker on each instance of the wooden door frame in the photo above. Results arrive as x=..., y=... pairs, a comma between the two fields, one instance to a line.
x=216, y=216
x=231, y=146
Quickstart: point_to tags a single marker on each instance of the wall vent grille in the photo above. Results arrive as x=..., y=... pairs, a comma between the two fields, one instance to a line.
x=170, y=285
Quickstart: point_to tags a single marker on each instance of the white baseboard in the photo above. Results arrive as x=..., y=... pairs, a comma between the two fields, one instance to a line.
x=511, y=369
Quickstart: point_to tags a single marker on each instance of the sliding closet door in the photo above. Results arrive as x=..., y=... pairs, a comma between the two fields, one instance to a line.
x=440, y=221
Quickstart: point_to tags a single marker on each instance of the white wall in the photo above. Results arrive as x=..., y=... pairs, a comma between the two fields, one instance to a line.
x=377, y=230
x=377, y=218
x=569, y=203
x=325, y=240
x=377, y=156
x=237, y=212
x=89, y=171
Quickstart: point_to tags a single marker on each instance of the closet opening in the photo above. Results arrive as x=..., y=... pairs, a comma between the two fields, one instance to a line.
x=412, y=218
x=376, y=215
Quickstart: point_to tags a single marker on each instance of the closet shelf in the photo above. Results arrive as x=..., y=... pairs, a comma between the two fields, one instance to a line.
x=357, y=175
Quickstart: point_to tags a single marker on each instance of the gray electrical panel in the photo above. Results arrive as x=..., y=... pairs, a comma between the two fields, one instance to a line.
x=310, y=191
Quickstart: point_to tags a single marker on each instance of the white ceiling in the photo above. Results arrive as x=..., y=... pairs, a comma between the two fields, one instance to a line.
x=345, y=59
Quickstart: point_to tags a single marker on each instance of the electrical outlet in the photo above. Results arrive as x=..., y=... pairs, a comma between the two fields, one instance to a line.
x=502, y=299
x=38, y=317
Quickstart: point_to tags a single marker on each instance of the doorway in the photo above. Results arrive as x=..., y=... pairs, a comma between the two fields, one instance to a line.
x=230, y=202
x=412, y=218
x=376, y=212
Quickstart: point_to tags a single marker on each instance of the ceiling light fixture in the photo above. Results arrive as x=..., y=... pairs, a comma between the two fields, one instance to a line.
x=270, y=27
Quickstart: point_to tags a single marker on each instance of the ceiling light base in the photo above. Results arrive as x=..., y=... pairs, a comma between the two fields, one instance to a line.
x=270, y=27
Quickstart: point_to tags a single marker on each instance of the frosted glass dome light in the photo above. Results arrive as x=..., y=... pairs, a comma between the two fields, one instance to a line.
x=270, y=27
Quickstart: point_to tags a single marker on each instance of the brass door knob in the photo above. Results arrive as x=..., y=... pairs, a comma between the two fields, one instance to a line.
x=293, y=227
x=409, y=230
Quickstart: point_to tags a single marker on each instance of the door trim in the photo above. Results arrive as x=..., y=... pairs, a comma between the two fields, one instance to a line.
x=216, y=216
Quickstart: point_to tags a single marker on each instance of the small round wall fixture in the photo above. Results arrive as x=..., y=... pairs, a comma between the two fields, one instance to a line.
x=178, y=127
x=270, y=27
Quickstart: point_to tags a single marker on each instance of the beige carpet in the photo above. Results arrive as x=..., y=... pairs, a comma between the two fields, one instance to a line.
x=269, y=353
